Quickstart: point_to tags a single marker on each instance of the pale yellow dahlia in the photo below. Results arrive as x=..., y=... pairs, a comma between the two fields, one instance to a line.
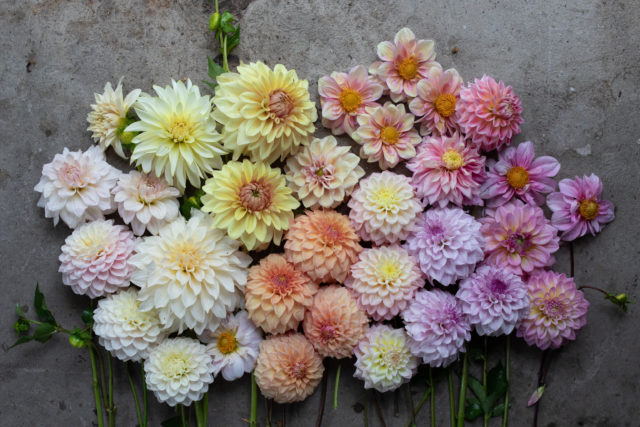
x=266, y=114
x=250, y=201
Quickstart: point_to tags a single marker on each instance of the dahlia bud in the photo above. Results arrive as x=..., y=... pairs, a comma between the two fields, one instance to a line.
x=79, y=338
x=214, y=21
x=22, y=325
x=621, y=300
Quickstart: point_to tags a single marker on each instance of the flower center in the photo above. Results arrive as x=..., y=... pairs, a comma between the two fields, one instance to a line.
x=517, y=177
x=393, y=357
x=497, y=286
x=589, y=209
x=320, y=172
x=388, y=271
x=227, y=343
x=331, y=235
x=298, y=370
x=408, y=68
x=504, y=109
x=280, y=282
x=452, y=160
x=95, y=244
x=350, y=100
x=148, y=190
x=176, y=365
x=553, y=308
x=187, y=258
x=327, y=332
x=389, y=135
x=72, y=176
x=255, y=196
x=280, y=104
x=445, y=104
x=180, y=132
x=385, y=198
x=518, y=243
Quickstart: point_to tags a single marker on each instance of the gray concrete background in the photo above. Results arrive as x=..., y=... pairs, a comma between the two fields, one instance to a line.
x=575, y=65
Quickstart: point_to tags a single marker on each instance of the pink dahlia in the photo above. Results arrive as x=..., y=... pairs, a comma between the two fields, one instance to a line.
x=518, y=173
x=345, y=95
x=446, y=170
x=578, y=207
x=447, y=243
x=558, y=309
x=489, y=113
x=437, y=327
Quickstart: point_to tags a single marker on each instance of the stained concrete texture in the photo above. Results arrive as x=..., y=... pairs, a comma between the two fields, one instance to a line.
x=575, y=64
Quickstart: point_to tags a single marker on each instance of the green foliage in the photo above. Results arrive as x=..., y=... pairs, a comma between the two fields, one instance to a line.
x=620, y=300
x=39, y=302
x=87, y=316
x=485, y=403
x=227, y=31
x=172, y=422
x=192, y=202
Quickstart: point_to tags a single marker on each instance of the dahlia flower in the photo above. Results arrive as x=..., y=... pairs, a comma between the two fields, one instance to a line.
x=250, y=201
x=489, y=113
x=76, y=186
x=191, y=273
x=288, y=369
x=345, y=95
x=558, y=310
x=334, y=324
x=494, y=300
x=94, y=258
x=578, y=207
x=266, y=114
x=383, y=359
x=277, y=295
x=123, y=329
x=447, y=243
x=384, y=208
x=437, y=327
x=323, y=173
x=178, y=137
x=403, y=63
x=178, y=371
x=446, y=170
x=145, y=201
x=323, y=245
x=384, y=280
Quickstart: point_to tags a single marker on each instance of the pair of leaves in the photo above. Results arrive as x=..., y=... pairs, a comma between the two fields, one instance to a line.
x=47, y=325
x=486, y=403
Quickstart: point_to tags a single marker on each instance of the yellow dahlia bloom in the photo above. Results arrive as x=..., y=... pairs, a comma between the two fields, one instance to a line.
x=250, y=201
x=266, y=114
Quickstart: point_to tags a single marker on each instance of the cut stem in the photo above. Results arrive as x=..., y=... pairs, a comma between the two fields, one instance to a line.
x=433, y=398
x=366, y=408
x=323, y=398
x=335, y=388
x=484, y=376
x=418, y=407
x=135, y=394
x=182, y=417
x=463, y=389
x=452, y=403
x=96, y=386
x=145, y=401
x=111, y=409
x=505, y=415
x=253, y=420
x=378, y=409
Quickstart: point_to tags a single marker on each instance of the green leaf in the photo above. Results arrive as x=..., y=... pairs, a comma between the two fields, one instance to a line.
x=22, y=326
x=21, y=340
x=41, y=307
x=213, y=86
x=476, y=387
x=472, y=410
x=498, y=410
x=215, y=69
x=497, y=380
x=44, y=332
x=226, y=22
x=233, y=40
x=19, y=311
x=87, y=316
x=172, y=422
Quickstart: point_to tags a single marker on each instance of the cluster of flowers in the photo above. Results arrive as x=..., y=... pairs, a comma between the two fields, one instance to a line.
x=161, y=274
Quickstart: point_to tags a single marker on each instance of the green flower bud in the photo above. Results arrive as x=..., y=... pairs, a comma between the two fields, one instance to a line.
x=77, y=341
x=127, y=138
x=214, y=21
x=22, y=325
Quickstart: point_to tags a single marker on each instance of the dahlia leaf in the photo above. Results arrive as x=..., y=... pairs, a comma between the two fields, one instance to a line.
x=87, y=316
x=233, y=40
x=226, y=22
x=19, y=311
x=44, y=332
x=40, y=304
x=477, y=388
x=498, y=410
x=21, y=340
x=215, y=69
x=497, y=383
x=473, y=409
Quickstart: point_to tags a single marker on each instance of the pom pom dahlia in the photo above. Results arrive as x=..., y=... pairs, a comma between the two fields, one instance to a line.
x=323, y=173
x=334, y=324
x=384, y=208
x=447, y=243
x=94, y=259
x=277, y=295
x=76, y=186
x=288, y=368
x=558, y=310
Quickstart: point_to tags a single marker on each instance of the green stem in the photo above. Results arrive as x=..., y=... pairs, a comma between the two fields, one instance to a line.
x=484, y=376
x=205, y=408
x=225, y=63
x=96, y=387
x=145, y=401
x=505, y=415
x=135, y=394
x=217, y=8
x=182, y=417
x=418, y=407
x=201, y=411
x=463, y=389
x=433, y=398
x=335, y=389
x=253, y=420
x=366, y=409
x=111, y=409
x=452, y=404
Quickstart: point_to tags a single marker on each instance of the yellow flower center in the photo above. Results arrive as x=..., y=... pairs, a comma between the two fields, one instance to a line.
x=227, y=343
x=186, y=257
x=589, y=209
x=517, y=177
x=180, y=131
x=388, y=271
x=385, y=198
x=176, y=365
x=389, y=135
x=94, y=244
x=350, y=100
x=445, y=104
x=393, y=357
x=280, y=104
x=408, y=68
x=452, y=160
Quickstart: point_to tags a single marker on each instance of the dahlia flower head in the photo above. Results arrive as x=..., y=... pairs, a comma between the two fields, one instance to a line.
x=447, y=244
x=124, y=330
x=145, y=201
x=383, y=359
x=489, y=113
x=558, y=310
x=288, y=368
x=267, y=114
x=387, y=135
x=323, y=245
x=277, y=295
x=233, y=346
x=178, y=371
x=447, y=170
x=578, y=208
x=384, y=208
x=384, y=280
x=94, y=258
x=76, y=187
x=345, y=95
x=437, y=327
x=323, y=173
x=494, y=300
x=178, y=138
x=403, y=64
x=334, y=324
x=191, y=273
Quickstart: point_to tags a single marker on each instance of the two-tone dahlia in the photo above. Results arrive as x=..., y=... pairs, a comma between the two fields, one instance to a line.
x=387, y=135
x=345, y=95
x=489, y=113
x=384, y=208
x=288, y=368
x=437, y=327
x=578, y=208
x=447, y=170
x=384, y=280
x=558, y=310
x=250, y=201
x=277, y=295
x=191, y=273
x=323, y=245
x=94, y=258
x=334, y=324
x=447, y=243
x=178, y=138
x=76, y=187
x=267, y=114
x=323, y=173
x=383, y=359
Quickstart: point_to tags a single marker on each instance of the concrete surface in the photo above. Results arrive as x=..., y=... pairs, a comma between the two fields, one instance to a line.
x=574, y=63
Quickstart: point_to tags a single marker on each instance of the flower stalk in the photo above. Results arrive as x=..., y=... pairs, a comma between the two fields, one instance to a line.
x=463, y=389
